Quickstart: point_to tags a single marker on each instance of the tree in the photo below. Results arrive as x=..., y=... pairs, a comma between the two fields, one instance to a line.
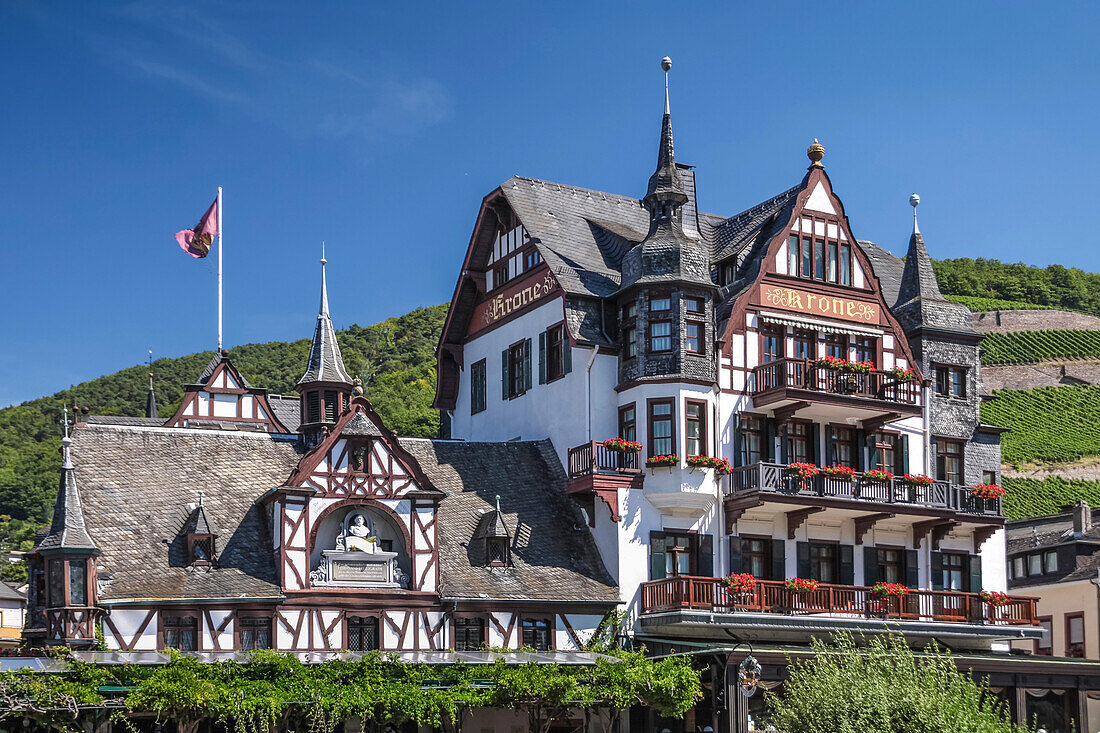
x=883, y=688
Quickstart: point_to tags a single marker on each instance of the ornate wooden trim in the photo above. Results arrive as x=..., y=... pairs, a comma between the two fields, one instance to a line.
x=797, y=518
x=867, y=521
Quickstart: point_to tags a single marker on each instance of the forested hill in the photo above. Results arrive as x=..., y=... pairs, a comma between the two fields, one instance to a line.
x=1065, y=288
x=395, y=359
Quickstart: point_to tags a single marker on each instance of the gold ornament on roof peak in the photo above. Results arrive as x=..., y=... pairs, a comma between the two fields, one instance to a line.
x=815, y=152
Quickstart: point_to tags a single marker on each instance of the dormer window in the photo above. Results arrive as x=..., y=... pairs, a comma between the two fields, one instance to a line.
x=497, y=552
x=200, y=537
x=202, y=549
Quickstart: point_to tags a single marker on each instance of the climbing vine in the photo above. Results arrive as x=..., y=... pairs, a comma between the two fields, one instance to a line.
x=272, y=690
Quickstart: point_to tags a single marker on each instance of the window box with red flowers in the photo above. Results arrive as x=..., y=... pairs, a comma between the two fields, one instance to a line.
x=701, y=462
x=741, y=587
x=901, y=375
x=801, y=586
x=885, y=590
x=839, y=472
x=619, y=445
x=995, y=598
x=876, y=475
x=832, y=363
x=666, y=461
x=803, y=470
x=917, y=479
x=987, y=491
x=723, y=467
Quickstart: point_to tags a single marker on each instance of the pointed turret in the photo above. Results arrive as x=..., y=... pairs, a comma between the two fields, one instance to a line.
x=325, y=387
x=668, y=253
x=920, y=302
x=151, y=400
x=67, y=531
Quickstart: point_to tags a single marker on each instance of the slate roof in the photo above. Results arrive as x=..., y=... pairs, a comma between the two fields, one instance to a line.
x=148, y=422
x=287, y=409
x=208, y=372
x=7, y=593
x=1047, y=531
x=325, y=362
x=919, y=300
x=553, y=554
x=137, y=484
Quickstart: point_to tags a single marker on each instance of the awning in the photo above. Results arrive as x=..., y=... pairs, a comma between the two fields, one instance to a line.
x=813, y=324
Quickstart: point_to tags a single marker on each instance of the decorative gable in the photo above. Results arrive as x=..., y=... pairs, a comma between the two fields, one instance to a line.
x=223, y=399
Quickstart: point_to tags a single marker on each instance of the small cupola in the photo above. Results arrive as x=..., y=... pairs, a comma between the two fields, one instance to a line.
x=492, y=533
x=201, y=536
x=325, y=388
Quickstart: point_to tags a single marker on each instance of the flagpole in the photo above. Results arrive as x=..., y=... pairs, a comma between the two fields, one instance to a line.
x=219, y=269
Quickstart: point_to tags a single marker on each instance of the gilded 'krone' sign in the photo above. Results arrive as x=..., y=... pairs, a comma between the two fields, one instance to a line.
x=822, y=305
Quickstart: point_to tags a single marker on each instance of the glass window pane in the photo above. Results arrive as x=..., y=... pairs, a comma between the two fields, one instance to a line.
x=792, y=255
x=1034, y=565
x=1050, y=562
x=819, y=258
x=845, y=265
x=77, y=583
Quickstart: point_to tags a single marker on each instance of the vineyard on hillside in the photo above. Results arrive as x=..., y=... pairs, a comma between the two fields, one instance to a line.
x=1024, y=347
x=1029, y=497
x=984, y=305
x=1049, y=424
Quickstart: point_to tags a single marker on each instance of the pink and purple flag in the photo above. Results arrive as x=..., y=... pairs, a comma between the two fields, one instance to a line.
x=196, y=242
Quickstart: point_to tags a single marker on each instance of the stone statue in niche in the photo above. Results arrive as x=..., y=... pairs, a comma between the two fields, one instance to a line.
x=358, y=535
x=358, y=560
x=358, y=457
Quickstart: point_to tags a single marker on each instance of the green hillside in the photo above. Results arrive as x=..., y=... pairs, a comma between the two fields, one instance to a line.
x=1024, y=347
x=1049, y=424
x=395, y=359
x=1066, y=288
x=1028, y=497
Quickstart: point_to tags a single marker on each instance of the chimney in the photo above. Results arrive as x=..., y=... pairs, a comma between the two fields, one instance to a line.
x=1082, y=518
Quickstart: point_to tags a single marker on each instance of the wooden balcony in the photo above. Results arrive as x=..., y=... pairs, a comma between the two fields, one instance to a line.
x=598, y=473
x=775, y=478
x=594, y=457
x=801, y=379
x=690, y=593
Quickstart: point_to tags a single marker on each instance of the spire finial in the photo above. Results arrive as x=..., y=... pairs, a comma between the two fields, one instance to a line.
x=666, y=64
x=66, y=441
x=498, y=502
x=200, y=497
x=815, y=153
x=914, y=200
x=149, y=362
x=324, y=283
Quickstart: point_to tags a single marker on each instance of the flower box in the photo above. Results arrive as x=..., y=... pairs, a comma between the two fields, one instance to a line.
x=701, y=462
x=832, y=363
x=917, y=479
x=987, y=491
x=619, y=445
x=803, y=470
x=995, y=598
x=858, y=367
x=876, y=475
x=723, y=468
x=885, y=590
x=842, y=472
x=668, y=461
x=901, y=375
x=801, y=585
x=739, y=583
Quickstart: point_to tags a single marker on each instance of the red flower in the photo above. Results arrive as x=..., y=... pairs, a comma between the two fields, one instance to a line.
x=918, y=479
x=622, y=446
x=667, y=460
x=995, y=598
x=889, y=589
x=877, y=475
x=803, y=470
x=801, y=585
x=987, y=491
x=841, y=471
x=740, y=582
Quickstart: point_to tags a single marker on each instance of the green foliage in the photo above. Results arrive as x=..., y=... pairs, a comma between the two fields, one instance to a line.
x=1054, y=286
x=1024, y=347
x=394, y=358
x=1032, y=497
x=1049, y=424
x=883, y=688
x=984, y=305
x=272, y=689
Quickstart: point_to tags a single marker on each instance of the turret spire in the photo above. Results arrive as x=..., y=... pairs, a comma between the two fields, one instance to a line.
x=151, y=399
x=666, y=187
x=325, y=362
x=67, y=531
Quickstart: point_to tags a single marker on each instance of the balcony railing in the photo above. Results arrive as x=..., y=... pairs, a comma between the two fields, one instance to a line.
x=846, y=601
x=774, y=477
x=804, y=374
x=594, y=457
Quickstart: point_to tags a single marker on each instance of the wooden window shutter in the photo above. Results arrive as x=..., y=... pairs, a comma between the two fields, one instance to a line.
x=768, y=449
x=975, y=574
x=815, y=447
x=870, y=565
x=738, y=449
x=803, y=550
x=779, y=560
x=706, y=556
x=735, y=554
x=657, y=562
x=911, y=569
x=859, y=441
x=526, y=364
x=566, y=351
x=542, y=358
x=937, y=570
x=847, y=574
x=504, y=375
x=903, y=453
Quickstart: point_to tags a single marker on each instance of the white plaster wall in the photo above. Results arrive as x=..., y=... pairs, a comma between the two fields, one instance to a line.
x=128, y=621
x=584, y=626
x=284, y=639
x=11, y=614
x=497, y=639
x=555, y=410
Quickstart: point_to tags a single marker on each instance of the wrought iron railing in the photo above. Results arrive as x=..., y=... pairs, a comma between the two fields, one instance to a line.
x=804, y=374
x=776, y=477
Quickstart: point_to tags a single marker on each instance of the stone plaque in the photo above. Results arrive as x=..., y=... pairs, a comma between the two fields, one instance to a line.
x=350, y=570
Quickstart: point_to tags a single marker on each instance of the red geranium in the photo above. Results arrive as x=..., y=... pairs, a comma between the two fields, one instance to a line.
x=619, y=445
x=987, y=491
x=740, y=582
x=918, y=479
x=876, y=475
x=803, y=470
x=889, y=589
x=995, y=598
x=667, y=460
x=801, y=585
x=839, y=471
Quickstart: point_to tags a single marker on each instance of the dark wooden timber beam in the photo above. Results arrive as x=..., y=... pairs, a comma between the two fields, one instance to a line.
x=736, y=509
x=938, y=529
x=796, y=518
x=873, y=424
x=981, y=534
x=784, y=414
x=867, y=521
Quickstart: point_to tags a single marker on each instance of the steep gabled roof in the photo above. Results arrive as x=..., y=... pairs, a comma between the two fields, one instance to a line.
x=325, y=362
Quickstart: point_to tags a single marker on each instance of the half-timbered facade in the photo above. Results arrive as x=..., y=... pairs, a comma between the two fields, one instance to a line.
x=303, y=524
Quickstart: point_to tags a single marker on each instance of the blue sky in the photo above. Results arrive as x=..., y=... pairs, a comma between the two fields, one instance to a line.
x=379, y=127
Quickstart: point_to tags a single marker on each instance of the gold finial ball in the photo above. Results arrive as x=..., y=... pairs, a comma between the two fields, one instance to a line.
x=815, y=152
